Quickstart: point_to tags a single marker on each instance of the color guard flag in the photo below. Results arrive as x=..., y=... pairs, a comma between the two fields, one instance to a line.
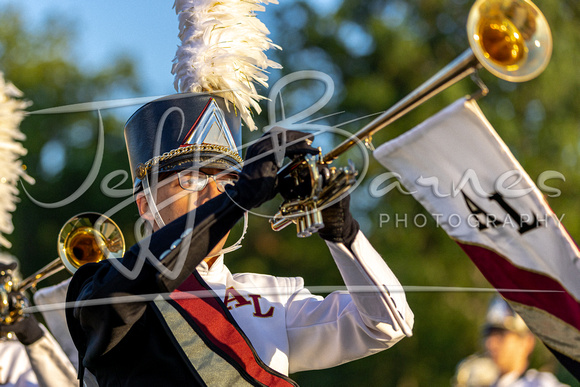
x=460, y=170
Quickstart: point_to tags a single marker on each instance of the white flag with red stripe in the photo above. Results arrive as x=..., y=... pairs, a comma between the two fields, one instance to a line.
x=460, y=170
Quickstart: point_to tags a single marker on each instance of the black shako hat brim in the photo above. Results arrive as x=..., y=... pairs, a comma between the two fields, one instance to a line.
x=183, y=131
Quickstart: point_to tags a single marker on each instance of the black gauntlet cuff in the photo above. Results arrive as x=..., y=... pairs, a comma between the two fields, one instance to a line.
x=28, y=331
x=339, y=225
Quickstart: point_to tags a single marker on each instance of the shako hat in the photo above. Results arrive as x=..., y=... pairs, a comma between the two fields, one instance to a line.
x=501, y=316
x=182, y=131
x=220, y=59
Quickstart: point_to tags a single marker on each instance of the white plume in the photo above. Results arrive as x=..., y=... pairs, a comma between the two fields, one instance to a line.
x=11, y=169
x=222, y=51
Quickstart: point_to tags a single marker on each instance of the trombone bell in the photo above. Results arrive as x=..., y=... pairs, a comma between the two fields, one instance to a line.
x=87, y=238
x=510, y=38
x=502, y=43
x=85, y=245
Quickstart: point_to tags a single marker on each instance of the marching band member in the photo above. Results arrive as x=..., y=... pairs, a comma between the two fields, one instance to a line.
x=509, y=344
x=290, y=329
x=170, y=312
x=29, y=355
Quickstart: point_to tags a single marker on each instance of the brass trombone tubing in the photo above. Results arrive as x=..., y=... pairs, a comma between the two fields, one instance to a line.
x=48, y=270
x=464, y=65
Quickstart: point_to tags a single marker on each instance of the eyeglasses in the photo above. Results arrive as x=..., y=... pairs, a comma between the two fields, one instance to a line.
x=195, y=180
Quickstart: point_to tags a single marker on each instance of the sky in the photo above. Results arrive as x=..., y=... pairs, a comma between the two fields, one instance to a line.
x=145, y=29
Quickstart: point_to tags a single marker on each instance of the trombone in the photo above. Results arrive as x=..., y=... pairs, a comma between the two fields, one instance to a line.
x=85, y=238
x=509, y=38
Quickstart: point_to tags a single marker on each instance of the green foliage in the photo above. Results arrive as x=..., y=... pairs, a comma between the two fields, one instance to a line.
x=61, y=147
x=406, y=43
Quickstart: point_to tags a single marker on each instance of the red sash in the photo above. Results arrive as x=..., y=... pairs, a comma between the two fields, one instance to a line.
x=212, y=341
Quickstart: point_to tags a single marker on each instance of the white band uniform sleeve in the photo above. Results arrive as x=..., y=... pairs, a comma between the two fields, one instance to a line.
x=344, y=326
x=50, y=364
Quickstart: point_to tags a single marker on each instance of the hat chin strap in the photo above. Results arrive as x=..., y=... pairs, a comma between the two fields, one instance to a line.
x=159, y=220
x=151, y=203
x=238, y=244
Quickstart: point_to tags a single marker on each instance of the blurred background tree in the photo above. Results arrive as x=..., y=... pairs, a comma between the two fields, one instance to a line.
x=61, y=147
x=376, y=52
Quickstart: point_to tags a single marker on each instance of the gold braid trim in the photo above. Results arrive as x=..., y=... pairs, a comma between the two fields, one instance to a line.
x=143, y=168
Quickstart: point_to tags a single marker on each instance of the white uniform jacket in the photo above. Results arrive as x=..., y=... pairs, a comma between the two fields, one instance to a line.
x=531, y=378
x=293, y=330
x=42, y=363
